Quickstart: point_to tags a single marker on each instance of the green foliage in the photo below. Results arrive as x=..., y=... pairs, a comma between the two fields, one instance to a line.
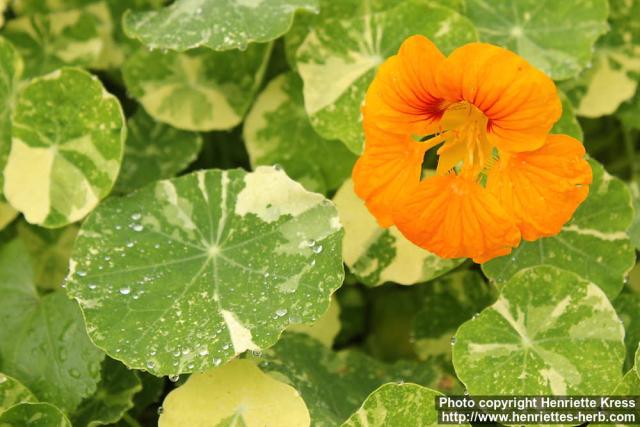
x=177, y=215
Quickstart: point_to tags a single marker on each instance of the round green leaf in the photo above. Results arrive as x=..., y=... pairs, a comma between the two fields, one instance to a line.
x=334, y=384
x=398, y=405
x=447, y=303
x=338, y=60
x=112, y=399
x=11, y=67
x=34, y=415
x=43, y=341
x=49, y=41
x=67, y=143
x=13, y=392
x=217, y=24
x=196, y=90
x=549, y=332
x=164, y=274
x=277, y=131
x=594, y=244
x=555, y=36
x=154, y=151
x=377, y=255
x=629, y=386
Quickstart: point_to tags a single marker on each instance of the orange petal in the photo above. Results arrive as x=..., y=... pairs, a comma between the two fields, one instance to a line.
x=391, y=163
x=403, y=93
x=454, y=217
x=521, y=102
x=541, y=189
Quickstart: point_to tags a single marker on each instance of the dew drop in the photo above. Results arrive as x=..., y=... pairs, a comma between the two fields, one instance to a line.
x=81, y=273
x=137, y=227
x=453, y=340
x=160, y=410
x=203, y=352
x=151, y=364
x=74, y=373
x=125, y=291
x=281, y=312
x=174, y=378
x=3, y=378
x=317, y=249
x=136, y=216
x=92, y=286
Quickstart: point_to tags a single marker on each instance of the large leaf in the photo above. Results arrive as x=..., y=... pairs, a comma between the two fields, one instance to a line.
x=278, y=131
x=555, y=36
x=43, y=341
x=334, y=385
x=13, y=392
x=217, y=24
x=34, y=415
x=593, y=244
x=377, y=255
x=50, y=250
x=67, y=142
x=550, y=332
x=11, y=67
x=243, y=396
x=154, y=151
x=199, y=89
x=164, y=274
x=48, y=41
x=113, y=397
x=398, y=405
x=338, y=60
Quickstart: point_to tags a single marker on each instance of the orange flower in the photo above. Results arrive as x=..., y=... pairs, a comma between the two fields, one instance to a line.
x=500, y=176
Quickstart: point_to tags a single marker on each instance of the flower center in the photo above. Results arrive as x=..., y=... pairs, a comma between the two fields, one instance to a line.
x=465, y=145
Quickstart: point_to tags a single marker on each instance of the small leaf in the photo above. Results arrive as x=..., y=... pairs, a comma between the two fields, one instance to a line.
x=525, y=343
x=199, y=89
x=13, y=392
x=243, y=396
x=67, y=142
x=339, y=57
x=217, y=24
x=398, y=405
x=112, y=399
x=43, y=342
x=179, y=259
x=334, y=385
x=34, y=415
x=278, y=131
x=377, y=255
x=50, y=251
x=49, y=41
x=556, y=37
x=154, y=151
x=594, y=244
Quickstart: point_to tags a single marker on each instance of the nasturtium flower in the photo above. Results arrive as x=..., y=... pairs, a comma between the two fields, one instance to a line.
x=500, y=177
